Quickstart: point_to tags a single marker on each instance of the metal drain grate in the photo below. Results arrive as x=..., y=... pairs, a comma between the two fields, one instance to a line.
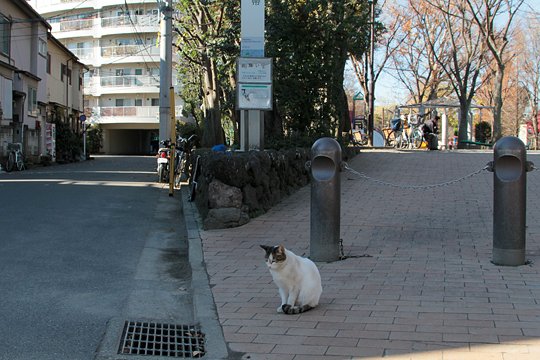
x=150, y=338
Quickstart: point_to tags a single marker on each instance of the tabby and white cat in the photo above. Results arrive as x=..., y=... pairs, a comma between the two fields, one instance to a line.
x=297, y=279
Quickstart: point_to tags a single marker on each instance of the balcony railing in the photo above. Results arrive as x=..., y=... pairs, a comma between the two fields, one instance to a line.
x=137, y=20
x=129, y=50
x=133, y=111
x=121, y=111
x=74, y=25
x=83, y=53
x=108, y=24
x=128, y=81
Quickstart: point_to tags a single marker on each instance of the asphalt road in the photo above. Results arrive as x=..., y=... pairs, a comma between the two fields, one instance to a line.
x=81, y=244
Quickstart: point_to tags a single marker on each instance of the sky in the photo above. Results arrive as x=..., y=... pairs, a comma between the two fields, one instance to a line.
x=389, y=91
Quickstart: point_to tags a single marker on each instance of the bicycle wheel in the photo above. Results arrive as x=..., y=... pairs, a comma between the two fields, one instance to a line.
x=20, y=163
x=178, y=171
x=391, y=139
x=161, y=173
x=399, y=142
x=10, y=163
x=194, y=175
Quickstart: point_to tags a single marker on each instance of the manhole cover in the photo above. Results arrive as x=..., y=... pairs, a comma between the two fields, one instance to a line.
x=151, y=338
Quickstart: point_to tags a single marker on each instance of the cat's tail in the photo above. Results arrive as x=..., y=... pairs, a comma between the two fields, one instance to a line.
x=290, y=310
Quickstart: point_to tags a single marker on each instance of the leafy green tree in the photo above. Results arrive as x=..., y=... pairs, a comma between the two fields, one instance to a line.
x=94, y=139
x=207, y=33
x=310, y=42
x=68, y=143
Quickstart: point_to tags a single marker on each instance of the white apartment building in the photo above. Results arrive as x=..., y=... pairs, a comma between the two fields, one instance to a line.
x=118, y=41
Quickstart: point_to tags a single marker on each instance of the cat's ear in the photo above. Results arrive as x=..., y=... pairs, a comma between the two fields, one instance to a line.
x=267, y=248
x=280, y=249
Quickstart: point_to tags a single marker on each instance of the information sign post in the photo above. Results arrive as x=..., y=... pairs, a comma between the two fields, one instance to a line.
x=254, y=76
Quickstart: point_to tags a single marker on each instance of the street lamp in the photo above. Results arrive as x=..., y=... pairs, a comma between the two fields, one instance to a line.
x=371, y=83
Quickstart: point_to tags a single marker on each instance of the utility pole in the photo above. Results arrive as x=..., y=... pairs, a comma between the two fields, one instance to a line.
x=165, y=70
x=371, y=83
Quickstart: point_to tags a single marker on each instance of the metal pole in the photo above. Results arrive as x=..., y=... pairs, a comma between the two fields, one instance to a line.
x=173, y=144
x=165, y=69
x=325, y=200
x=371, y=82
x=84, y=141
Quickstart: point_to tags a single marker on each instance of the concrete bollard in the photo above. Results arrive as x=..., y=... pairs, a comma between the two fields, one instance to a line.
x=509, y=201
x=325, y=200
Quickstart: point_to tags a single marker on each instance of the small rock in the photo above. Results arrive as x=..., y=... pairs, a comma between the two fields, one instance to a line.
x=221, y=195
x=223, y=218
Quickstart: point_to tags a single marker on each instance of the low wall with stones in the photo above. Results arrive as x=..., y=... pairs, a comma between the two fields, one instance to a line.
x=234, y=187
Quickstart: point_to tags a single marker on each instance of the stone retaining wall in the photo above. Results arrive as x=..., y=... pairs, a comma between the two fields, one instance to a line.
x=233, y=187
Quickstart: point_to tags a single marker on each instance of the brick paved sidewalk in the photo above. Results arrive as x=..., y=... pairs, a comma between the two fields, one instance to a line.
x=419, y=283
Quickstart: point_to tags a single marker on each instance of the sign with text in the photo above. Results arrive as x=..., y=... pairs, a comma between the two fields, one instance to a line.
x=252, y=28
x=254, y=70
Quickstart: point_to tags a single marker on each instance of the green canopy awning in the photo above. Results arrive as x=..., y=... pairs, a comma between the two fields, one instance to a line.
x=358, y=96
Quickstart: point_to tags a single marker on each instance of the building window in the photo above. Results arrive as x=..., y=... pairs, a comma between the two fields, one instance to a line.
x=119, y=102
x=48, y=63
x=138, y=102
x=5, y=35
x=32, y=101
x=62, y=71
x=42, y=47
x=155, y=102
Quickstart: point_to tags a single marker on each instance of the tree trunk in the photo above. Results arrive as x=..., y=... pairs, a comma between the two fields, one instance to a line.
x=212, y=129
x=535, y=126
x=463, y=123
x=273, y=124
x=497, y=102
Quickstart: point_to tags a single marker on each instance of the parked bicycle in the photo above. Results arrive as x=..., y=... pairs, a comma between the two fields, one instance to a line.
x=15, y=157
x=416, y=135
x=196, y=170
x=396, y=137
x=184, y=148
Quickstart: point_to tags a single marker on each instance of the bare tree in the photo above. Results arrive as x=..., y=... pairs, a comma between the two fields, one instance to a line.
x=415, y=61
x=385, y=47
x=487, y=14
x=530, y=72
x=464, y=61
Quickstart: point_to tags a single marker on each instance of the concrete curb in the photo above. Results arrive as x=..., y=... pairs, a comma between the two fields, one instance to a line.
x=204, y=307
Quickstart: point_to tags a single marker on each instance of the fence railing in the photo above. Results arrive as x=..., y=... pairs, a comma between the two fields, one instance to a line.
x=128, y=81
x=129, y=50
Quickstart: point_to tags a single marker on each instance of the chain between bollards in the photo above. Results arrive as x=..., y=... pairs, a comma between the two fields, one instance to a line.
x=415, y=187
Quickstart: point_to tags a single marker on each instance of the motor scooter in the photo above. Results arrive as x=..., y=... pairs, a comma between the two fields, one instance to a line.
x=163, y=157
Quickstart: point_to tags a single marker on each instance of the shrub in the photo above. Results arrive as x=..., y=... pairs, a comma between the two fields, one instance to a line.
x=94, y=139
